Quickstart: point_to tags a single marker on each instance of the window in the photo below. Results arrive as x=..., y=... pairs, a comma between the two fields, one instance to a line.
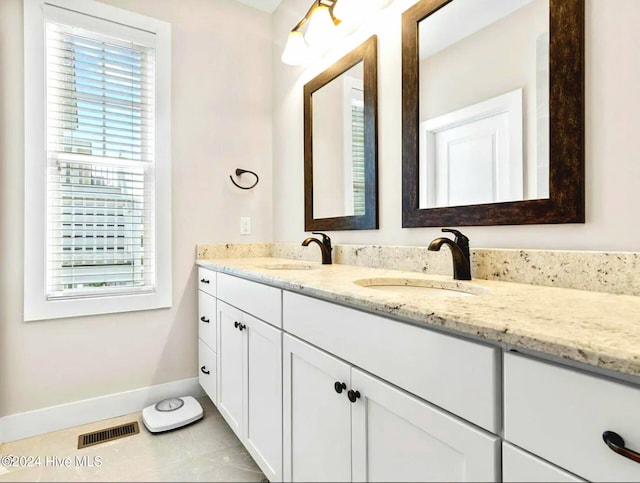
x=353, y=120
x=98, y=165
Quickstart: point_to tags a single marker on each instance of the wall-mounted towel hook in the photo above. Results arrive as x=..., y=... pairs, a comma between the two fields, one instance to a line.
x=240, y=172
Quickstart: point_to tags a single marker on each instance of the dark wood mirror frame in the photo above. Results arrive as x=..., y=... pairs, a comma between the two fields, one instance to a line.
x=367, y=52
x=566, y=202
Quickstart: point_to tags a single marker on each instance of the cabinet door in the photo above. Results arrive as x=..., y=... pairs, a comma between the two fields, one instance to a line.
x=262, y=422
x=518, y=465
x=317, y=428
x=230, y=366
x=397, y=437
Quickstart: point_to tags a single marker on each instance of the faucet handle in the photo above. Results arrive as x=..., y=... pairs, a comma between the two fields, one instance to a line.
x=325, y=238
x=460, y=238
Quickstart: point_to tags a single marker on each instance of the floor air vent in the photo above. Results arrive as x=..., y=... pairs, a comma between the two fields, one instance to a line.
x=109, y=434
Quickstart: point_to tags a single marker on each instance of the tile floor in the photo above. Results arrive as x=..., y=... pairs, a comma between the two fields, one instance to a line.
x=204, y=451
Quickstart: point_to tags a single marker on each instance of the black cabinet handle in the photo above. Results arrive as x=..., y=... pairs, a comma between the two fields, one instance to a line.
x=203, y=280
x=204, y=319
x=236, y=324
x=616, y=444
x=339, y=387
x=239, y=326
x=242, y=327
x=204, y=370
x=353, y=395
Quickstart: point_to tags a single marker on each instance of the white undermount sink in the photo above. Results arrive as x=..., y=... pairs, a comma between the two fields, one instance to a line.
x=420, y=287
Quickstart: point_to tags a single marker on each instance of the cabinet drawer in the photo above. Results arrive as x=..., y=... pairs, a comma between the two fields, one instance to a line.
x=518, y=465
x=560, y=414
x=261, y=301
x=207, y=319
x=455, y=374
x=207, y=281
x=207, y=369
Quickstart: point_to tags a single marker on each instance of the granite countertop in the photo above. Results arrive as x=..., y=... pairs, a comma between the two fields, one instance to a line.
x=598, y=329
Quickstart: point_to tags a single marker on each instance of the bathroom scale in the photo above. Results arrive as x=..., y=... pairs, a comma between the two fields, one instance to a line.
x=171, y=413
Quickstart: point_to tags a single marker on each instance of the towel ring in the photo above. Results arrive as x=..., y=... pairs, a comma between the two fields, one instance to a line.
x=240, y=172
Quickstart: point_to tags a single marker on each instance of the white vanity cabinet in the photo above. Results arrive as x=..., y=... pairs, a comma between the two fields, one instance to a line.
x=457, y=375
x=382, y=432
x=342, y=424
x=560, y=414
x=249, y=375
x=207, y=331
x=318, y=391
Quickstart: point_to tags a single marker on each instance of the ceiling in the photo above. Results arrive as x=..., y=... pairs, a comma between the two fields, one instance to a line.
x=264, y=5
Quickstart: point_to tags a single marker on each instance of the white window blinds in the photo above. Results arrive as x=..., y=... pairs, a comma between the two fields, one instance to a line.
x=100, y=163
x=357, y=152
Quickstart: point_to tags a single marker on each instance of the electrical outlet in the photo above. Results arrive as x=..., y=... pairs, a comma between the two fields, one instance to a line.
x=245, y=225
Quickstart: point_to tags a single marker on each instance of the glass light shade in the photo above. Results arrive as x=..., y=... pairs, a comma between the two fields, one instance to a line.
x=349, y=10
x=296, y=50
x=321, y=27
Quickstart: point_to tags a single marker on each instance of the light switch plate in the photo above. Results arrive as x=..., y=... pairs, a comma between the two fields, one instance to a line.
x=245, y=225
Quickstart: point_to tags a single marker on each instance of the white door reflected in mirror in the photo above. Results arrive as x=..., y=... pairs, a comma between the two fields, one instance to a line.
x=473, y=155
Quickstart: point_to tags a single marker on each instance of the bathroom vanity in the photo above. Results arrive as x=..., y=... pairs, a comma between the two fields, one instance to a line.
x=344, y=373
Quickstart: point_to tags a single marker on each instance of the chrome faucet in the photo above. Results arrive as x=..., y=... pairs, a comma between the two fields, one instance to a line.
x=459, y=250
x=325, y=246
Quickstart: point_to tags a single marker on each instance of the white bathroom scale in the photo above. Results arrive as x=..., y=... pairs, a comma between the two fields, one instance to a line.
x=171, y=413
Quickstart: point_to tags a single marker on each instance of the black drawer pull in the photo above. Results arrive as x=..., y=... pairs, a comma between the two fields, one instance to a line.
x=242, y=327
x=203, y=280
x=339, y=387
x=204, y=370
x=353, y=395
x=236, y=324
x=204, y=319
x=616, y=444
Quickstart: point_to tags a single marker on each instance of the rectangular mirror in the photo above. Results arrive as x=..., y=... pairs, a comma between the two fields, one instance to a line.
x=340, y=126
x=493, y=112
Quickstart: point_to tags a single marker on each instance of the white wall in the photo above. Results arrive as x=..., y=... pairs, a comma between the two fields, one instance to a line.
x=221, y=106
x=612, y=142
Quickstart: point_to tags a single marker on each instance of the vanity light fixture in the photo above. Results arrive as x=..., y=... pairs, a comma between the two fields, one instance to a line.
x=320, y=25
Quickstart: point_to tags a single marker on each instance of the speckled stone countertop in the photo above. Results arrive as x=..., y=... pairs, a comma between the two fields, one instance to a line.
x=599, y=329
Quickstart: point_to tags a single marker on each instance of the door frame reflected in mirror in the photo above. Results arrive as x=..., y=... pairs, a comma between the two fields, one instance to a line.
x=367, y=53
x=566, y=202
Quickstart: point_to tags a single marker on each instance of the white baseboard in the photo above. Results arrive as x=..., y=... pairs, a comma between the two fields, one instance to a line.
x=54, y=418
